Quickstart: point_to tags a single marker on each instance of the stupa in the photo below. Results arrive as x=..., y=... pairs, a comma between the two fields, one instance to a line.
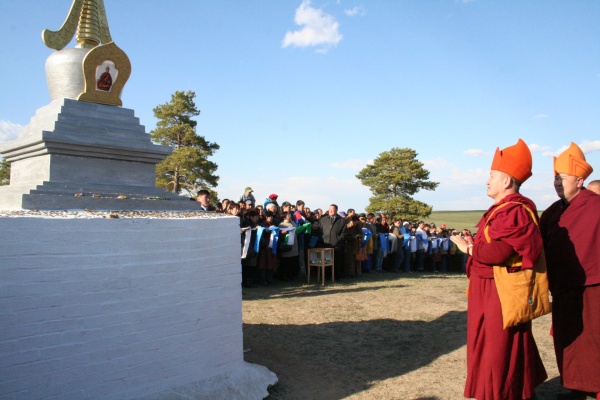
x=121, y=305
x=83, y=150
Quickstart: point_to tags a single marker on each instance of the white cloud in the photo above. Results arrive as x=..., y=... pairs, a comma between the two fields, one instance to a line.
x=315, y=191
x=465, y=188
x=436, y=164
x=318, y=28
x=9, y=130
x=587, y=146
x=476, y=153
x=459, y=188
x=540, y=116
x=354, y=164
x=448, y=173
x=534, y=148
x=554, y=153
x=352, y=12
x=320, y=192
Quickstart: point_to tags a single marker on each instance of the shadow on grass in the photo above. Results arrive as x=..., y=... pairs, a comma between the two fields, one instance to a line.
x=299, y=288
x=339, y=359
x=309, y=291
x=549, y=389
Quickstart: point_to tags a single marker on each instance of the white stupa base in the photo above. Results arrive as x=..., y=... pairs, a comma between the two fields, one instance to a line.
x=123, y=308
x=248, y=382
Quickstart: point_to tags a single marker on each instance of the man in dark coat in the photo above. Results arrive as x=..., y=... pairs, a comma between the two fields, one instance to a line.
x=330, y=229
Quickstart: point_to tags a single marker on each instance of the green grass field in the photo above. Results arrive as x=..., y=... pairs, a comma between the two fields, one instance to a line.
x=456, y=219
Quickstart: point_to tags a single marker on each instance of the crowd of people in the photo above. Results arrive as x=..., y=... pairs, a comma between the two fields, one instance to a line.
x=276, y=239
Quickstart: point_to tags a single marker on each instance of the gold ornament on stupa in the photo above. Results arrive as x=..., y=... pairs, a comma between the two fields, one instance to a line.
x=105, y=68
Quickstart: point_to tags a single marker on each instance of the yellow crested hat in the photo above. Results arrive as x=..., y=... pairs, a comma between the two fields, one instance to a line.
x=572, y=162
x=514, y=160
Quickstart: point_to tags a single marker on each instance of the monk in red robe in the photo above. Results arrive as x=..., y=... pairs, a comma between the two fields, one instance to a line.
x=502, y=364
x=105, y=81
x=570, y=230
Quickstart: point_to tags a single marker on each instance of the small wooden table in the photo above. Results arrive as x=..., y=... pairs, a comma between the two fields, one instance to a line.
x=321, y=258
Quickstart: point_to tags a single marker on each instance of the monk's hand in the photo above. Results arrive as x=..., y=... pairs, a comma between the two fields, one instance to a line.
x=460, y=243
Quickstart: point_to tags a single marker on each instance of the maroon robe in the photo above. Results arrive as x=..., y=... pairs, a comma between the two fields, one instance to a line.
x=571, y=240
x=502, y=364
x=105, y=82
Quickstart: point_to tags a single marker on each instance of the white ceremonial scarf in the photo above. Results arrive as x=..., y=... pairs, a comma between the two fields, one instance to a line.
x=434, y=243
x=412, y=243
x=247, y=235
x=445, y=242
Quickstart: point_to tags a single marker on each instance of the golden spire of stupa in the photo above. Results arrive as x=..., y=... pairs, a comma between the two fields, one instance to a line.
x=88, y=18
x=88, y=33
x=96, y=69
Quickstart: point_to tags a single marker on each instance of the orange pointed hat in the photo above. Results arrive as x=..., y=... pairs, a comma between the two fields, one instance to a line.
x=572, y=162
x=514, y=160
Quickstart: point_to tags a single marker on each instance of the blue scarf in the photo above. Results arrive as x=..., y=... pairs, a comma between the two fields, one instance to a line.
x=273, y=241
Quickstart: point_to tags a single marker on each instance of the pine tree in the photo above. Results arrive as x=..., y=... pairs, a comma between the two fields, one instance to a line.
x=4, y=173
x=188, y=167
x=393, y=178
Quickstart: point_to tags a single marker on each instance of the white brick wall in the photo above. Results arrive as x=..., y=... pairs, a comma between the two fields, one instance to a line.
x=116, y=308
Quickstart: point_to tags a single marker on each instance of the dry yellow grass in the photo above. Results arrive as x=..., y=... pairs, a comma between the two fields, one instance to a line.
x=380, y=336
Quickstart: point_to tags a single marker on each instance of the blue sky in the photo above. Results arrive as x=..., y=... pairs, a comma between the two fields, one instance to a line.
x=301, y=95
